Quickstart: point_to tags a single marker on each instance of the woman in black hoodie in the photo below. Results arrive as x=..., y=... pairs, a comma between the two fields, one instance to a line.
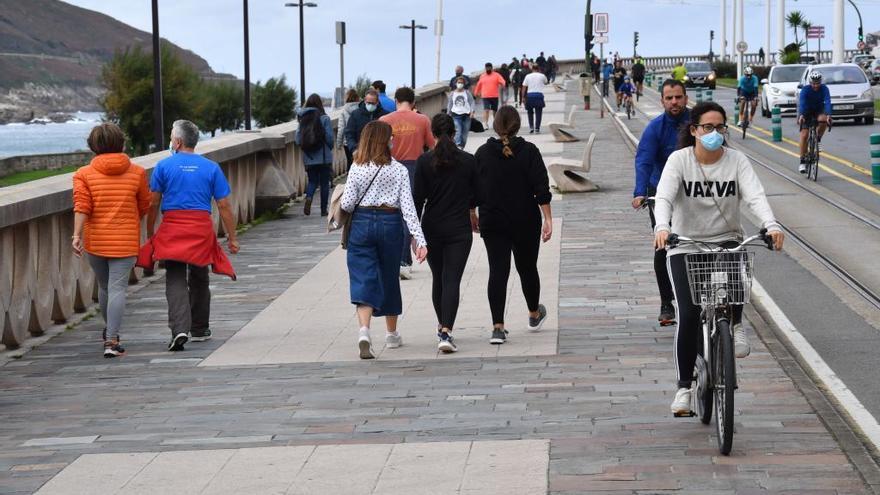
x=514, y=193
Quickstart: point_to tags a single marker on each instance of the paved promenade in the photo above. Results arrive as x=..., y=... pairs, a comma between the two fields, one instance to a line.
x=278, y=402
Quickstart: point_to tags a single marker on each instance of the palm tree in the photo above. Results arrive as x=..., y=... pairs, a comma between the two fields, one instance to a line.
x=806, y=25
x=795, y=19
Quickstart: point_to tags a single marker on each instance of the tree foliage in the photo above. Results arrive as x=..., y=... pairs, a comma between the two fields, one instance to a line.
x=361, y=85
x=274, y=102
x=795, y=20
x=221, y=106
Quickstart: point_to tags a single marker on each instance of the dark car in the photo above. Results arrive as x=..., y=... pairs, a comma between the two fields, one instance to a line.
x=699, y=73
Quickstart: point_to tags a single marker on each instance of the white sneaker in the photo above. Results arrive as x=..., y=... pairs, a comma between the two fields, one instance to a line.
x=364, y=344
x=739, y=124
x=740, y=341
x=393, y=340
x=681, y=404
x=405, y=272
x=802, y=168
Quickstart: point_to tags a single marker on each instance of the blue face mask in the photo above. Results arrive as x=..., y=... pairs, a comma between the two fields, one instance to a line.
x=712, y=141
x=171, y=148
x=370, y=107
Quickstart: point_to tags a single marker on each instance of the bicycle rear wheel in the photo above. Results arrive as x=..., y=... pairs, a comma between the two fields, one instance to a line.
x=629, y=109
x=813, y=152
x=724, y=384
x=745, y=125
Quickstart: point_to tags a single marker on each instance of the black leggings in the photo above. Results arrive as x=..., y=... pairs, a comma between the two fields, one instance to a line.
x=663, y=283
x=447, y=259
x=688, y=333
x=525, y=255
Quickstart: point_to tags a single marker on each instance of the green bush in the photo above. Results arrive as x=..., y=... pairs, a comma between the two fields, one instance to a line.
x=725, y=69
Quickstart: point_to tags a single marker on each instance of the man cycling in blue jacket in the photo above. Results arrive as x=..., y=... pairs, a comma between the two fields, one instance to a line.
x=814, y=103
x=747, y=90
x=658, y=141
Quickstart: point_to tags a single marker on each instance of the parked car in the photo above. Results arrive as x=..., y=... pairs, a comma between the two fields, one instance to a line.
x=780, y=89
x=851, y=95
x=862, y=59
x=699, y=73
x=873, y=71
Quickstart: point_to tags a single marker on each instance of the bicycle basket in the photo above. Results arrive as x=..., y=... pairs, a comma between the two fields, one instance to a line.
x=709, y=272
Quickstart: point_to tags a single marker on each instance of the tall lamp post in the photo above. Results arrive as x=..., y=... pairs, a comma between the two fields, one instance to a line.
x=247, y=71
x=413, y=26
x=158, y=114
x=302, y=50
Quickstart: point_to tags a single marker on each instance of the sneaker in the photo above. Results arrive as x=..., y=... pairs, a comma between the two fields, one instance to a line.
x=535, y=323
x=405, y=272
x=740, y=341
x=667, y=314
x=538, y=131
x=739, y=123
x=681, y=404
x=393, y=340
x=531, y=131
x=307, y=207
x=177, y=342
x=324, y=213
x=499, y=336
x=446, y=344
x=802, y=168
x=112, y=349
x=200, y=336
x=364, y=344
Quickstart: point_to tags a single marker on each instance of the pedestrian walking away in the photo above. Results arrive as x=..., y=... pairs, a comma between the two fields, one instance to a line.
x=460, y=106
x=110, y=196
x=607, y=71
x=516, y=79
x=352, y=101
x=514, y=193
x=379, y=197
x=541, y=62
x=183, y=187
x=489, y=88
x=411, y=135
x=659, y=140
x=504, y=72
x=638, y=74
x=386, y=102
x=445, y=195
x=533, y=95
x=552, y=68
x=685, y=208
x=314, y=136
x=366, y=111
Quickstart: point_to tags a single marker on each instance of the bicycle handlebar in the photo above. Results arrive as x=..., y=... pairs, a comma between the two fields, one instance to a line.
x=674, y=240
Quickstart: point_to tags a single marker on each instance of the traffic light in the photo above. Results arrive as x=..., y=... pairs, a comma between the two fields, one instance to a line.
x=588, y=32
x=861, y=35
x=711, y=34
x=635, y=39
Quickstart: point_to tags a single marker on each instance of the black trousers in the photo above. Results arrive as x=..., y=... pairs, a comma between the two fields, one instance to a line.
x=524, y=247
x=666, y=294
x=447, y=258
x=688, y=333
x=189, y=298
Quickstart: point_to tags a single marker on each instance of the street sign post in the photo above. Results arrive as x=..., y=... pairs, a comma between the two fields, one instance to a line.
x=601, y=40
x=600, y=23
x=742, y=46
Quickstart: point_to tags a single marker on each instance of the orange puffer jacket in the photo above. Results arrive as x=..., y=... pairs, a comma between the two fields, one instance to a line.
x=113, y=192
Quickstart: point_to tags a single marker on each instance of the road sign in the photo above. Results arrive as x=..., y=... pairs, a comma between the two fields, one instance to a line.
x=600, y=23
x=742, y=46
x=600, y=39
x=816, y=32
x=861, y=45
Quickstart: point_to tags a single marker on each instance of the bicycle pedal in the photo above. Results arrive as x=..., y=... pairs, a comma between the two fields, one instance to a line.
x=667, y=323
x=685, y=414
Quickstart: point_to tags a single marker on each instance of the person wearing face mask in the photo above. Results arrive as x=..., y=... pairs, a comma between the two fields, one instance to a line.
x=488, y=88
x=367, y=111
x=699, y=196
x=658, y=141
x=459, y=73
x=460, y=107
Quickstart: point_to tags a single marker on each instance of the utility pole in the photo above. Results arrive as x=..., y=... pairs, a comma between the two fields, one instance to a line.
x=723, y=40
x=780, y=25
x=413, y=26
x=837, y=53
x=767, y=51
x=438, y=33
x=588, y=48
x=302, y=49
x=158, y=113
x=247, y=71
x=740, y=35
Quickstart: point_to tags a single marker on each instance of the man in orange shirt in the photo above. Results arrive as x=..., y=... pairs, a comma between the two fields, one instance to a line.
x=488, y=89
x=410, y=136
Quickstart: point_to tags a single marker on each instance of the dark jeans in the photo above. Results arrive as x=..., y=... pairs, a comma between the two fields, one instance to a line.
x=406, y=254
x=349, y=157
x=535, y=109
x=663, y=283
x=189, y=298
x=524, y=247
x=516, y=93
x=447, y=259
x=373, y=259
x=319, y=175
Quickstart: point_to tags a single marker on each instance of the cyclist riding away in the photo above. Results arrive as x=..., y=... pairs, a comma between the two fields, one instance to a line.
x=625, y=93
x=747, y=90
x=638, y=74
x=814, y=104
x=700, y=193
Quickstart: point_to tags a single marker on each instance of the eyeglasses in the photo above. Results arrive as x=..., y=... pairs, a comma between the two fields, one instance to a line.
x=721, y=128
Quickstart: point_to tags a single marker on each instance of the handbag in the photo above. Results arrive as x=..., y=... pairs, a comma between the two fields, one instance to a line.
x=341, y=219
x=477, y=126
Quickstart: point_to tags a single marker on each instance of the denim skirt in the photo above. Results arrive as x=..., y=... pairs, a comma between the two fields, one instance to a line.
x=373, y=258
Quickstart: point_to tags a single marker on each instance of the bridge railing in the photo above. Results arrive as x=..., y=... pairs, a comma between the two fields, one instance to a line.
x=43, y=283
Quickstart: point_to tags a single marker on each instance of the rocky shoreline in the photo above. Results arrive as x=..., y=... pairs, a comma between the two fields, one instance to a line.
x=41, y=104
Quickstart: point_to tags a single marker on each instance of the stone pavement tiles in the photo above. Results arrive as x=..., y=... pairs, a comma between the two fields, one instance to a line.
x=601, y=402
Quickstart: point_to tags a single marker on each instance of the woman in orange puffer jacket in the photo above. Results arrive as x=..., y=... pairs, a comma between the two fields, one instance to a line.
x=110, y=195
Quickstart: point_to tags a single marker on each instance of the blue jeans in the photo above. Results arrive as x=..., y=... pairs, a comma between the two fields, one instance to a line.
x=462, y=127
x=319, y=175
x=406, y=255
x=373, y=258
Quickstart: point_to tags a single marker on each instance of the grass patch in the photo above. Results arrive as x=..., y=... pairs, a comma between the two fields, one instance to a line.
x=877, y=108
x=22, y=177
x=727, y=82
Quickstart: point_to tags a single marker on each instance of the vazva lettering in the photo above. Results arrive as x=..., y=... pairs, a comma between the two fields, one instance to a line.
x=709, y=189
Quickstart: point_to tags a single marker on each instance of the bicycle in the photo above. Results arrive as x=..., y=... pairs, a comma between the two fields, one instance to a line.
x=720, y=276
x=747, y=114
x=812, y=156
x=629, y=107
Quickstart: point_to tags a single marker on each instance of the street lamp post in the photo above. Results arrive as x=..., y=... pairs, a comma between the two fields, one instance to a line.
x=302, y=50
x=247, y=71
x=158, y=114
x=413, y=26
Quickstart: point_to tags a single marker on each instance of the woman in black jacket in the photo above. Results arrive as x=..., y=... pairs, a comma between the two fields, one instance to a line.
x=514, y=193
x=446, y=185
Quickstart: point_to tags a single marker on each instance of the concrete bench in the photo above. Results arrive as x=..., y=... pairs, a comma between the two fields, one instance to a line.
x=570, y=175
x=559, y=129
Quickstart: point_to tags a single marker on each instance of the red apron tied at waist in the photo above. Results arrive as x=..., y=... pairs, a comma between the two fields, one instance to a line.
x=186, y=236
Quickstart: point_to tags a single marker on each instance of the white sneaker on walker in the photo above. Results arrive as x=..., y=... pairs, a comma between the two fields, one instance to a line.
x=364, y=344
x=393, y=340
x=740, y=341
x=681, y=404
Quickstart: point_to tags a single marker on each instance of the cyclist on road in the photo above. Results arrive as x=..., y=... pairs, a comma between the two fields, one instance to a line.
x=814, y=104
x=659, y=140
x=699, y=196
x=638, y=74
x=626, y=90
x=679, y=71
x=747, y=93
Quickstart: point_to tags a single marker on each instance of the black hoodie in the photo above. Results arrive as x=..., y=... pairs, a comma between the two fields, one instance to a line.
x=359, y=118
x=511, y=188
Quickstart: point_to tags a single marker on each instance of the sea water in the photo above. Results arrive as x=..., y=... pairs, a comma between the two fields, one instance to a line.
x=37, y=139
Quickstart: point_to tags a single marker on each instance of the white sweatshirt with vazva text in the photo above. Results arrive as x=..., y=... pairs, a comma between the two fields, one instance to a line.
x=688, y=197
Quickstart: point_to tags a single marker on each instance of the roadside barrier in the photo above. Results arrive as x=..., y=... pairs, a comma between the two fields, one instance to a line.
x=776, y=124
x=875, y=158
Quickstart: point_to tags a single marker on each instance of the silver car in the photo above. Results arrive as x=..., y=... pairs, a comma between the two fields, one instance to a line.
x=781, y=88
x=851, y=94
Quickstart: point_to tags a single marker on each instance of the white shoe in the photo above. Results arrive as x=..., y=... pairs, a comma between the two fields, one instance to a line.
x=740, y=341
x=393, y=340
x=405, y=273
x=802, y=168
x=681, y=404
x=739, y=124
x=364, y=344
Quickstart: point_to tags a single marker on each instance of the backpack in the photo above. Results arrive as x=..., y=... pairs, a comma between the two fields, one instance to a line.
x=311, y=132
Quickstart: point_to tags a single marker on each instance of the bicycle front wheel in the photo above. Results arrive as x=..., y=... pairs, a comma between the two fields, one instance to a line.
x=724, y=365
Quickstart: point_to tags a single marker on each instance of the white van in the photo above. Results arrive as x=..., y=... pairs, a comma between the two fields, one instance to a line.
x=851, y=93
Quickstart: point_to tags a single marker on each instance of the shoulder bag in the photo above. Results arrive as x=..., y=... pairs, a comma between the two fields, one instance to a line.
x=339, y=218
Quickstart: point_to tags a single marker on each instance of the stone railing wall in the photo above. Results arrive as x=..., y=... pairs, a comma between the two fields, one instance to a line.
x=48, y=161
x=42, y=282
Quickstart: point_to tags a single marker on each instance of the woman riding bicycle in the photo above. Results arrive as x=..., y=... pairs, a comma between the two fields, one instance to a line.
x=701, y=190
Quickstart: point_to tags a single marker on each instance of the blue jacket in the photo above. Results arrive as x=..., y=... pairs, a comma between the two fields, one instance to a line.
x=320, y=155
x=811, y=101
x=606, y=71
x=387, y=103
x=658, y=141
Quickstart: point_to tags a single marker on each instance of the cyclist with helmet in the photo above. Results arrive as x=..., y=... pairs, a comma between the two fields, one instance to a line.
x=747, y=92
x=626, y=91
x=814, y=104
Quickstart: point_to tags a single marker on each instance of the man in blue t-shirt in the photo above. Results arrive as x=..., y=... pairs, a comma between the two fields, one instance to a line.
x=747, y=91
x=814, y=104
x=184, y=186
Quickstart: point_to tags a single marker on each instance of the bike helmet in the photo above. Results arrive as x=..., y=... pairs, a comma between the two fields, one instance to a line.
x=815, y=76
x=626, y=78
x=748, y=71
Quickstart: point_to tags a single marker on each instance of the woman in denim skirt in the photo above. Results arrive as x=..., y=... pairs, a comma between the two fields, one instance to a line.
x=377, y=193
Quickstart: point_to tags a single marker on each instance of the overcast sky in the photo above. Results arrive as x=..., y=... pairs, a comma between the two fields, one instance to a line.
x=475, y=31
